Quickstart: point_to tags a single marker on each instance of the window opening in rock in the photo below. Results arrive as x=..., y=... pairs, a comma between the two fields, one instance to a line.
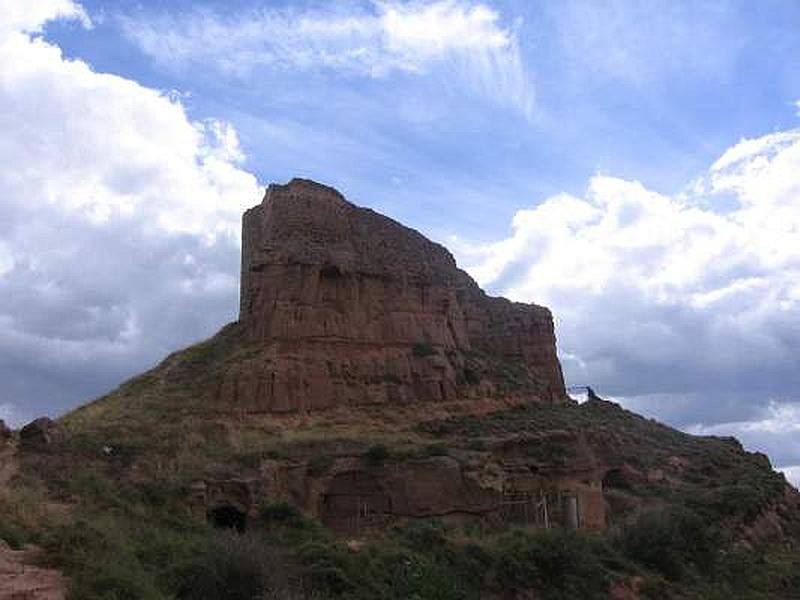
x=526, y=506
x=227, y=517
x=615, y=480
x=355, y=502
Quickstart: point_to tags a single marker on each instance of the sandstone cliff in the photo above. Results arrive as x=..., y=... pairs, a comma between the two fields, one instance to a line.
x=350, y=307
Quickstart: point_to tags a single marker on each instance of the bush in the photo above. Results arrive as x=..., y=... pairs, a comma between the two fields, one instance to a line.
x=559, y=564
x=320, y=465
x=670, y=541
x=282, y=513
x=100, y=560
x=325, y=568
x=13, y=535
x=436, y=449
x=376, y=454
x=422, y=349
x=234, y=567
x=113, y=580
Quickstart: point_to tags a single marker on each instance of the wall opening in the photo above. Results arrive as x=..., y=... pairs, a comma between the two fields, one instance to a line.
x=528, y=506
x=615, y=480
x=330, y=272
x=355, y=502
x=226, y=516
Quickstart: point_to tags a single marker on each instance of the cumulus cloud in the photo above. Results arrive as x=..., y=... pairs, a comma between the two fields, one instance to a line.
x=684, y=306
x=8, y=415
x=30, y=17
x=792, y=473
x=119, y=223
x=463, y=38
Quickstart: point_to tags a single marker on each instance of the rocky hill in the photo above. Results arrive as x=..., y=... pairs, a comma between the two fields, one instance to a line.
x=351, y=307
x=375, y=426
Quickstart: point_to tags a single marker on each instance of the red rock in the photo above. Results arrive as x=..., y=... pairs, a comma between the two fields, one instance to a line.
x=5, y=434
x=347, y=306
x=41, y=433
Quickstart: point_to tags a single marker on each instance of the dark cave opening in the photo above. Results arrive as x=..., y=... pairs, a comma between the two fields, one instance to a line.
x=227, y=517
x=615, y=480
x=329, y=271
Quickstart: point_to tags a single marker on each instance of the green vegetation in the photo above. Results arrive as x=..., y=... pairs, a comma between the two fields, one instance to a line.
x=423, y=349
x=320, y=465
x=123, y=477
x=671, y=541
x=376, y=455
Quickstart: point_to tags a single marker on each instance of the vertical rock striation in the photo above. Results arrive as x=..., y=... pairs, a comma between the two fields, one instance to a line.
x=346, y=306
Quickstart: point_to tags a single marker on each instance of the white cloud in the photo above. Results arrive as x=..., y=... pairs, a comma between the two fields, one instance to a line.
x=108, y=186
x=30, y=17
x=688, y=297
x=463, y=37
x=777, y=418
x=792, y=473
x=12, y=415
x=776, y=431
x=116, y=148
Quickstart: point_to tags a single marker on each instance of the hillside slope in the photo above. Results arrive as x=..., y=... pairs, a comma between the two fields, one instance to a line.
x=375, y=426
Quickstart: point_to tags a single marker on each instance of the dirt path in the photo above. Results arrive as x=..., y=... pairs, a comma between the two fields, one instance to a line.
x=21, y=579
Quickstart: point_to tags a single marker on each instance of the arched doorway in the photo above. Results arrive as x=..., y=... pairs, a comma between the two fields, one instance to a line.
x=227, y=516
x=615, y=479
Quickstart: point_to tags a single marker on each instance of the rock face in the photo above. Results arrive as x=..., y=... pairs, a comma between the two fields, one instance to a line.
x=5, y=434
x=507, y=485
x=347, y=306
x=41, y=433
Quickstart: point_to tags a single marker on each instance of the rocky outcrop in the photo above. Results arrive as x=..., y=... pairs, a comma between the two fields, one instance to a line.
x=346, y=306
x=552, y=479
x=41, y=433
x=5, y=434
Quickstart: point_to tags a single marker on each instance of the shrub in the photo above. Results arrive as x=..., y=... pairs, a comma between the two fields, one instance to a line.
x=113, y=580
x=670, y=541
x=281, y=513
x=13, y=535
x=376, y=454
x=472, y=377
x=320, y=465
x=422, y=349
x=325, y=568
x=100, y=560
x=234, y=567
x=436, y=449
x=558, y=564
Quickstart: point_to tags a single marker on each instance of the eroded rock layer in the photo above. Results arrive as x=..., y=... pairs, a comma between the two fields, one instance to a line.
x=346, y=306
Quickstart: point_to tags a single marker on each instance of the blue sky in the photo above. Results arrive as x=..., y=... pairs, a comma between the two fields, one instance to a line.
x=632, y=90
x=633, y=165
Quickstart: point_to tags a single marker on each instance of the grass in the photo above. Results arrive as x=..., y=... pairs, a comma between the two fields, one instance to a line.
x=423, y=349
x=126, y=539
x=127, y=531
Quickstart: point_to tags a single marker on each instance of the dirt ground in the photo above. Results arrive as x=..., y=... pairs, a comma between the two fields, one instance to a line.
x=21, y=579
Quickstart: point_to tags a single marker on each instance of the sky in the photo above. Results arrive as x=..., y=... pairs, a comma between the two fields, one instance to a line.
x=633, y=165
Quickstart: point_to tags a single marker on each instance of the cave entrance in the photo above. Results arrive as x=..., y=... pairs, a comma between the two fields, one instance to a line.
x=355, y=502
x=615, y=479
x=227, y=516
